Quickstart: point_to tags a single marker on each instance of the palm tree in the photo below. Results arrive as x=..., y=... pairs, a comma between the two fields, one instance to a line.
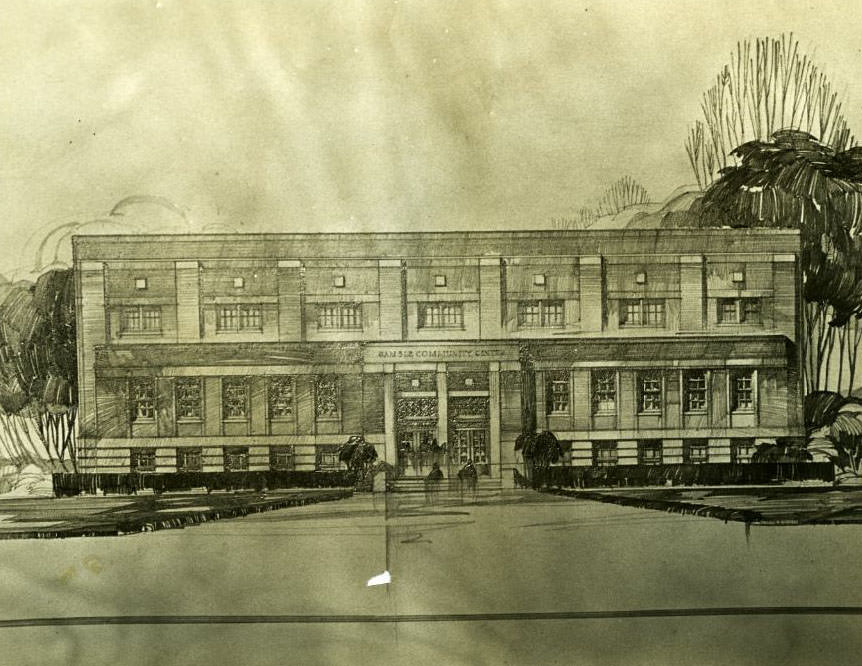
x=795, y=181
x=358, y=455
x=539, y=451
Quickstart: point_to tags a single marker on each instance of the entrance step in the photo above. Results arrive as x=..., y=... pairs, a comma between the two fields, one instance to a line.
x=416, y=484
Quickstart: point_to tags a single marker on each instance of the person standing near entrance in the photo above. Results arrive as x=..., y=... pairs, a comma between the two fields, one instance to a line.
x=468, y=477
x=432, y=484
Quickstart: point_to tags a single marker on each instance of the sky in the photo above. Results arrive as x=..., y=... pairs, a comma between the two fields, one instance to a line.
x=337, y=116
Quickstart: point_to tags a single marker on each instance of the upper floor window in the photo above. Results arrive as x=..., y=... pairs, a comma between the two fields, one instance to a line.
x=742, y=387
x=557, y=397
x=339, y=315
x=142, y=397
x=327, y=404
x=604, y=391
x=141, y=319
x=739, y=311
x=239, y=317
x=441, y=315
x=540, y=313
x=649, y=392
x=695, y=383
x=235, y=398
x=642, y=312
x=280, y=398
x=188, y=398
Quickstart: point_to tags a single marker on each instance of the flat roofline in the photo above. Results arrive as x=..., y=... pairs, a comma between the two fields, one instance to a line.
x=498, y=233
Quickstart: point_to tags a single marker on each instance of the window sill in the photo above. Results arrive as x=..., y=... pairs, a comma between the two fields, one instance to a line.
x=650, y=412
x=238, y=331
x=565, y=413
x=328, y=418
x=140, y=334
x=190, y=420
x=696, y=412
x=282, y=419
x=605, y=413
x=235, y=420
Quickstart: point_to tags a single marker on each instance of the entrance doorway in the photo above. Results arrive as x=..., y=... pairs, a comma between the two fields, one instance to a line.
x=470, y=443
x=417, y=449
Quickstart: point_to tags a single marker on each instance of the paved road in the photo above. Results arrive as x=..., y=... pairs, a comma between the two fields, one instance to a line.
x=517, y=552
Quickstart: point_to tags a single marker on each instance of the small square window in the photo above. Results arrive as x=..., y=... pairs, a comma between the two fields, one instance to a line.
x=539, y=279
x=140, y=283
x=414, y=383
x=737, y=276
x=640, y=278
x=439, y=280
x=338, y=281
x=238, y=283
x=468, y=381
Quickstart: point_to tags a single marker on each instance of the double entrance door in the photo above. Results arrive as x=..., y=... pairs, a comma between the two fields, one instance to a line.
x=418, y=449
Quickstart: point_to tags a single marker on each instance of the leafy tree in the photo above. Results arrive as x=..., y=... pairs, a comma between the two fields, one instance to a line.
x=358, y=455
x=540, y=451
x=796, y=181
x=769, y=85
x=38, y=363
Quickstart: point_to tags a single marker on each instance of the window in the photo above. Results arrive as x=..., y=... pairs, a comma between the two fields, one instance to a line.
x=339, y=315
x=649, y=387
x=739, y=311
x=141, y=319
x=695, y=388
x=649, y=452
x=539, y=280
x=640, y=278
x=604, y=391
x=189, y=459
x=188, y=398
x=741, y=449
x=642, y=312
x=281, y=458
x=280, y=398
x=239, y=283
x=140, y=283
x=557, y=392
x=439, y=280
x=235, y=458
x=239, y=318
x=338, y=281
x=234, y=399
x=605, y=454
x=326, y=398
x=441, y=315
x=540, y=313
x=742, y=387
x=142, y=460
x=737, y=276
x=142, y=395
x=327, y=458
x=695, y=451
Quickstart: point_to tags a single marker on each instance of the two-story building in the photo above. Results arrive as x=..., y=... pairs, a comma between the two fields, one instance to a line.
x=234, y=352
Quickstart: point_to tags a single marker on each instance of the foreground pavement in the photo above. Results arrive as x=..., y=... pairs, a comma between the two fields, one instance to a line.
x=503, y=578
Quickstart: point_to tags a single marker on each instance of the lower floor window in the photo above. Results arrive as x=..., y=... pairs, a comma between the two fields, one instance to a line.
x=328, y=458
x=236, y=459
x=281, y=458
x=695, y=451
x=142, y=460
x=742, y=449
x=605, y=454
x=649, y=452
x=189, y=459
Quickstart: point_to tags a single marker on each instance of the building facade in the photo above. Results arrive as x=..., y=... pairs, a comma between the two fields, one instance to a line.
x=258, y=352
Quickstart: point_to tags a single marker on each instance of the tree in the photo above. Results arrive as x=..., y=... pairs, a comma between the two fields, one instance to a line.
x=769, y=85
x=38, y=364
x=796, y=181
x=621, y=194
x=540, y=451
x=358, y=455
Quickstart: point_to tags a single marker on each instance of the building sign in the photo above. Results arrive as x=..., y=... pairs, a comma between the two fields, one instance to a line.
x=439, y=353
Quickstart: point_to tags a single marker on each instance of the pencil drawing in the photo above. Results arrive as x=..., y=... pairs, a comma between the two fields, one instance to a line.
x=435, y=398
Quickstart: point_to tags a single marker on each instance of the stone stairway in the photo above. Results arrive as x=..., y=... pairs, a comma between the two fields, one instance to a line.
x=416, y=484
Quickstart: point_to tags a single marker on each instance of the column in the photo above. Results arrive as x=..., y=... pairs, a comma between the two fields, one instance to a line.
x=390, y=446
x=691, y=288
x=92, y=331
x=494, y=418
x=442, y=405
x=389, y=271
x=591, y=293
x=490, y=299
x=188, y=301
x=290, y=300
